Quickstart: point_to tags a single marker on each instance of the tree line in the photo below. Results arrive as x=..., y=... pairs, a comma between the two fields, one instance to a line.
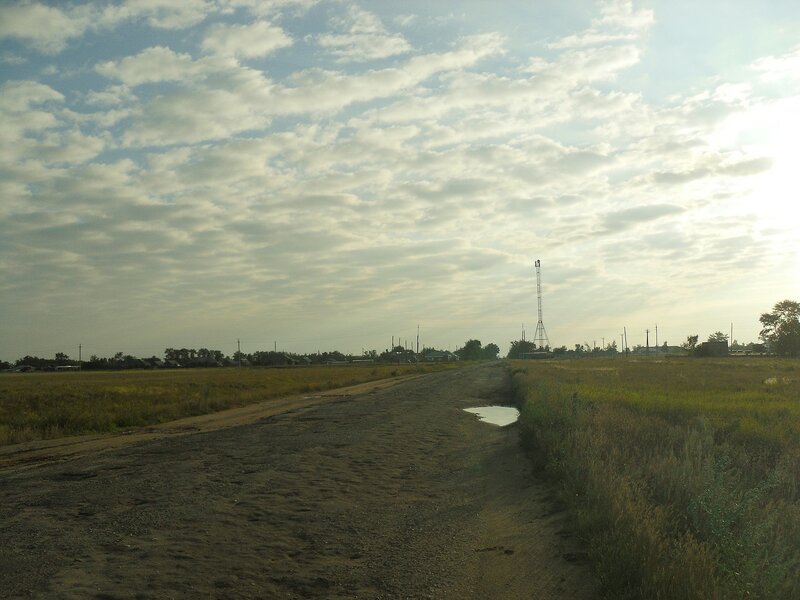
x=208, y=357
x=780, y=333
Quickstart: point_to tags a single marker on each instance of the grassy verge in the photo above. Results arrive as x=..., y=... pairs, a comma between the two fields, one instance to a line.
x=683, y=475
x=36, y=406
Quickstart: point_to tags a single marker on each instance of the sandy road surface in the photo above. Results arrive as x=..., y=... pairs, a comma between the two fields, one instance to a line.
x=391, y=493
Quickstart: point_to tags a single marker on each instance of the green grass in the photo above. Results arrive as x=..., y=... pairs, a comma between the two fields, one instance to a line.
x=35, y=406
x=683, y=475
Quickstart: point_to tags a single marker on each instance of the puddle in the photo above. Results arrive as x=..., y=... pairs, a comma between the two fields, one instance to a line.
x=496, y=415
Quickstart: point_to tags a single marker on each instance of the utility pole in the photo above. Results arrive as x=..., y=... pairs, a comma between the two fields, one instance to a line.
x=417, y=339
x=656, y=338
x=625, y=344
x=621, y=343
x=276, y=346
x=647, y=343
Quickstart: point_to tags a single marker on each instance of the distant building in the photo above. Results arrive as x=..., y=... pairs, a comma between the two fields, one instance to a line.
x=537, y=354
x=282, y=360
x=440, y=356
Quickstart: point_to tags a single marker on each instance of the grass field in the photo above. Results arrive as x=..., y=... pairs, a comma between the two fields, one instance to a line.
x=683, y=475
x=37, y=406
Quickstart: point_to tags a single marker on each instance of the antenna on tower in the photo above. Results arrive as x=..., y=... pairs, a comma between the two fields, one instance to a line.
x=540, y=337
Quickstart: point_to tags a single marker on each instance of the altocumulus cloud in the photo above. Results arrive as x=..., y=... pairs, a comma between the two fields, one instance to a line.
x=332, y=173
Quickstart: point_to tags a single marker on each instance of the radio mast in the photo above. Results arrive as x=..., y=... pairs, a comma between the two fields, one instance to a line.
x=540, y=337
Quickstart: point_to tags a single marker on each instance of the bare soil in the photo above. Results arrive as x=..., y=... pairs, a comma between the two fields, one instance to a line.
x=388, y=490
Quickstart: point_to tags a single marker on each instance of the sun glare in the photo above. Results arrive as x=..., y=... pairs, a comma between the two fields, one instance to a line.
x=768, y=130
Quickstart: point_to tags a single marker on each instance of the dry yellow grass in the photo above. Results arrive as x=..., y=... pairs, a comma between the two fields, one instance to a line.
x=48, y=405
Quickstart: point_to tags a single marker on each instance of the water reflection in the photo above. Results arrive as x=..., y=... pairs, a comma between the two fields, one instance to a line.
x=496, y=415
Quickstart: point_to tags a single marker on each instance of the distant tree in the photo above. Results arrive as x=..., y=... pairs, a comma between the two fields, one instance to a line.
x=490, y=351
x=33, y=361
x=690, y=343
x=781, y=328
x=95, y=362
x=521, y=347
x=470, y=351
x=560, y=350
x=718, y=337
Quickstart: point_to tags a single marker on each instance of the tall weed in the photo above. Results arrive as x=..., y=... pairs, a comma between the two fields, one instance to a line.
x=684, y=475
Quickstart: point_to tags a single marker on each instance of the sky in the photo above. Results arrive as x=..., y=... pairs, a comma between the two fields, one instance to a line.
x=320, y=174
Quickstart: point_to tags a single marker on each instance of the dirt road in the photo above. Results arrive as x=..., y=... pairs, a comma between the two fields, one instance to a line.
x=392, y=493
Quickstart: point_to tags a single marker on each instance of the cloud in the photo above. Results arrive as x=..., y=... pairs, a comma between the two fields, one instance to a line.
x=591, y=38
x=623, y=219
x=264, y=8
x=245, y=41
x=621, y=13
x=69, y=147
x=361, y=36
x=26, y=109
x=742, y=168
x=779, y=68
x=597, y=64
x=217, y=97
x=47, y=29
x=155, y=65
x=405, y=20
x=676, y=178
x=164, y=14
x=618, y=22
x=113, y=95
x=8, y=58
x=747, y=167
x=19, y=96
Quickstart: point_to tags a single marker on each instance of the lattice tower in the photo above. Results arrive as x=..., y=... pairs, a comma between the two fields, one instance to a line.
x=540, y=337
